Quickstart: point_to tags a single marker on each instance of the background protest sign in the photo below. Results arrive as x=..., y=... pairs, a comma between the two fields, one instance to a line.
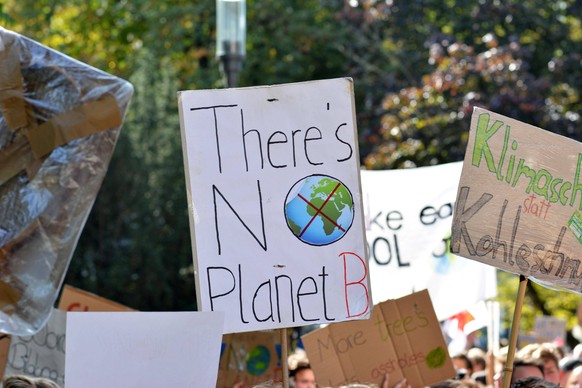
x=520, y=200
x=42, y=354
x=275, y=204
x=403, y=338
x=74, y=299
x=4, y=349
x=143, y=349
x=408, y=214
x=549, y=329
x=250, y=358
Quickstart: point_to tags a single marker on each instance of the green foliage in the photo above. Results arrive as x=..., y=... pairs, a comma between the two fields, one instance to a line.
x=503, y=63
x=136, y=246
x=418, y=67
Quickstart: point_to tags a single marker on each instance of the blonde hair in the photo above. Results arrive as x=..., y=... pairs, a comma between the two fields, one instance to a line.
x=28, y=382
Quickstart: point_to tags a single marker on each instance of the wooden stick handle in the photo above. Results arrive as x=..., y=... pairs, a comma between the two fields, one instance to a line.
x=284, y=356
x=508, y=370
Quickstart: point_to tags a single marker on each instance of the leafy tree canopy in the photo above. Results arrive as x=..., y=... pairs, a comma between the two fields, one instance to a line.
x=418, y=66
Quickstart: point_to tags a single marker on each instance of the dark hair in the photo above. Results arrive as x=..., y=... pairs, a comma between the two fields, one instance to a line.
x=452, y=383
x=478, y=360
x=533, y=382
x=299, y=368
x=570, y=365
x=546, y=351
x=464, y=357
x=538, y=363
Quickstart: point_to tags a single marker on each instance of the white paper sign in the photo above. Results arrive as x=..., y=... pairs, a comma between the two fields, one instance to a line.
x=143, y=349
x=275, y=204
x=40, y=355
x=408, y=226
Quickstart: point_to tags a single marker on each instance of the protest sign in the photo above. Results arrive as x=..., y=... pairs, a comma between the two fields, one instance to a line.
x=520, y=200
x=408, y=214
x=4, y=349
x=403, y=338
x=549, y=329
x=250, y=358
x=74, y=299
x=275, y=204
x=142, y=349
x=42, y=354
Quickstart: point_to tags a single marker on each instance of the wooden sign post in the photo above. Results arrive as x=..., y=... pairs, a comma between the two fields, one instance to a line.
x=514, y=332
x=284, y=355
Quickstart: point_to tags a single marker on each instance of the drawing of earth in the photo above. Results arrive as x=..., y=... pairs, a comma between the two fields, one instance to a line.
x=319, y=209
x=258, y=360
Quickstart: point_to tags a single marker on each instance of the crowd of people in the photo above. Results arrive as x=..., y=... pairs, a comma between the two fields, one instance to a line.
x=538, y=365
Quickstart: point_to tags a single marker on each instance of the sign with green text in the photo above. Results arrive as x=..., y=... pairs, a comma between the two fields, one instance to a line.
x=403, y=338
x=519, y=201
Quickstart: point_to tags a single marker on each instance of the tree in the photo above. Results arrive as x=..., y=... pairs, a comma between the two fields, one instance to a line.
x=418, y=68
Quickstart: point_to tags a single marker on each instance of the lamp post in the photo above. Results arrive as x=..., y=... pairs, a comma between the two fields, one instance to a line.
x=230, y=37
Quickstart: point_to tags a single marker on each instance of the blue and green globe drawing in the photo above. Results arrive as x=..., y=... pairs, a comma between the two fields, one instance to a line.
x=258, y=360
x=319, y=209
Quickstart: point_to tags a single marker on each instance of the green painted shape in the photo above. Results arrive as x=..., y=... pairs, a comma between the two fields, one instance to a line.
x=436, y=358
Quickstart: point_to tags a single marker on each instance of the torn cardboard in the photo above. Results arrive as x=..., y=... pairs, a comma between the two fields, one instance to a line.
x=402, y=338
x=74, y=299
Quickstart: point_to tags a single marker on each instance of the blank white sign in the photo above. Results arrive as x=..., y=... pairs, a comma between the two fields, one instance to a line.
x=142, y=349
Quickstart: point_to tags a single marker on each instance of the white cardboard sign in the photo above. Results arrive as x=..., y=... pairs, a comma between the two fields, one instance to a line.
x=275, y=204
x=42, y=354
x=143, y=349
x=408, y=215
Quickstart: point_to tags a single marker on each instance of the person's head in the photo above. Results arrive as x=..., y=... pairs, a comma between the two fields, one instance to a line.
x=303, y=377
x=454, y=383
x=478, y=359
x=533, y=382
x=548, y=354
x=463, y=365
x=27, y=382
x=527, y=367
x=566, y=368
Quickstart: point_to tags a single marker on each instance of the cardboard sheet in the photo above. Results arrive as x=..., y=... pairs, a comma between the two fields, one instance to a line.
x=273, y=183
x=42, y=354
x=402, y=338
x=519, y=202
x=250, y=358
x=74, y=299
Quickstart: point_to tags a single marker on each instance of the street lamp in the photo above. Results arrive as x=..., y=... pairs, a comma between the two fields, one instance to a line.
x=230, y=37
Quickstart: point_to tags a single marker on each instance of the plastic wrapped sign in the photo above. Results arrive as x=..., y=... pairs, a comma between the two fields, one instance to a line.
x=59, y=122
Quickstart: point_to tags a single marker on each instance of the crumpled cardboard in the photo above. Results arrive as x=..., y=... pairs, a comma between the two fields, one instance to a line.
x=59, y=122
x=402, y=338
